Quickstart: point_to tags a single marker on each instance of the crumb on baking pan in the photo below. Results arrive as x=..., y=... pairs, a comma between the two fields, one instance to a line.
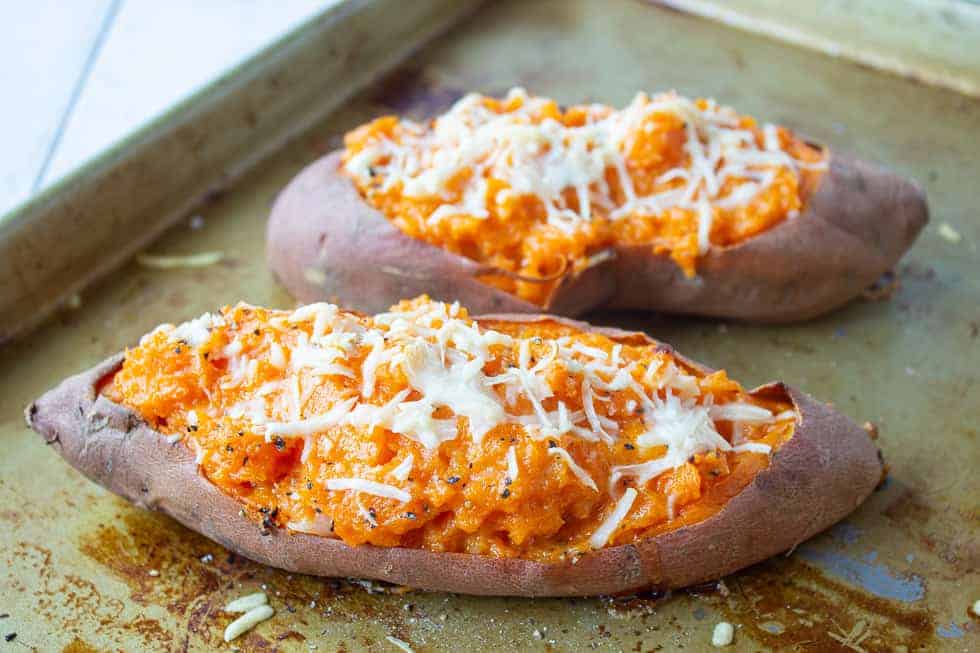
x=723, y=634
x=401, y=645
x=947, y=231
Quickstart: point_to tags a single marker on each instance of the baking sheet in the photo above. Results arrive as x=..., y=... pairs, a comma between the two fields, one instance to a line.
x=899, y=574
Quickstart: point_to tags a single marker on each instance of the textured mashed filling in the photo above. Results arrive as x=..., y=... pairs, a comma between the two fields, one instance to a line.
x=536, y=191
x=423, y=428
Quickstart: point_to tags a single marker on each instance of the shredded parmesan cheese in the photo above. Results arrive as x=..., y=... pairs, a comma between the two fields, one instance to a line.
x=453, y=387
x=399, y=644
x=512, y=468
x=545, y=158
x=248, y=621
x=404, y=468
x=609, y=525
x=247, y=602
x=369, y=487
x=159, y=262
x=580, y=473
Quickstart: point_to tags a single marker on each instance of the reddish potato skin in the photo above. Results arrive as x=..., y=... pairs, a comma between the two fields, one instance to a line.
x=325, y=242
x=823, y=473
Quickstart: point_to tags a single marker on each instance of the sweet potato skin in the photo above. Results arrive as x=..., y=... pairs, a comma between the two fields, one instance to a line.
x=325, y=242
x=819, y=476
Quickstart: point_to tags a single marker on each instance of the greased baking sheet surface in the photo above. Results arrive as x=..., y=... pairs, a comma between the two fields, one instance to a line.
x=899, y=574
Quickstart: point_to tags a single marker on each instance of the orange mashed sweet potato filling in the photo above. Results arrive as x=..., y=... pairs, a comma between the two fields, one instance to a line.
x=536, y=191
x=274, y=415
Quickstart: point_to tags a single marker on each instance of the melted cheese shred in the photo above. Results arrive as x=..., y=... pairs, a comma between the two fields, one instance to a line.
x=675, y=174
x=423, y=427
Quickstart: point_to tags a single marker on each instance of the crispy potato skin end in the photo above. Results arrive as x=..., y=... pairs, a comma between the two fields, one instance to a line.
x=822, y=474
x=325, y=243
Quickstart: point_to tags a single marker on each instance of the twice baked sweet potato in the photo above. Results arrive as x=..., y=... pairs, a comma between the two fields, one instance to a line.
x=501, y=455
x=517, y=205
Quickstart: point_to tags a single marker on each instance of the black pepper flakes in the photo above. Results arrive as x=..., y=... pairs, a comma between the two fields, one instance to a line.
x=552, y=444
x=309, y=485
x=452, y=480
x=268, y=523
x=505, y=493
x=280, y=443
x=177, y=350
x=409, y=515
x=629, y=446
x=9, y=637
x=229, y=448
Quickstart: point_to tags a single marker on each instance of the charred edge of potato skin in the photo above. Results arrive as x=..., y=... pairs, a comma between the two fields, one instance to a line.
x=326, y=243
x=820, y=475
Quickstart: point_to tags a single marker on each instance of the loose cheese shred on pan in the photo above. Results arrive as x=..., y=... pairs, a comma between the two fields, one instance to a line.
x=247, y=602
x=160, y=262
x=612, y=522
x=369, y=487
x=248, y=621
x=399, y=644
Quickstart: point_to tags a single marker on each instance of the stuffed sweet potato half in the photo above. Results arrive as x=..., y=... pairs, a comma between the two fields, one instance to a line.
x=510, y=455
x=517, y=205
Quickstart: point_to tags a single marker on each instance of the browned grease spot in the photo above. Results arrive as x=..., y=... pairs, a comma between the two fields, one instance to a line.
x=74, y=605
x=816, y=613
x=942, y=530
x=809, y=607
x=78, y=646
x=137, y=541
x=291, y=635
x=146, y=542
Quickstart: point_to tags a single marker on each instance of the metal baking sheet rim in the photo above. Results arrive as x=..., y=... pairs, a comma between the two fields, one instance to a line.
x=91, y=222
